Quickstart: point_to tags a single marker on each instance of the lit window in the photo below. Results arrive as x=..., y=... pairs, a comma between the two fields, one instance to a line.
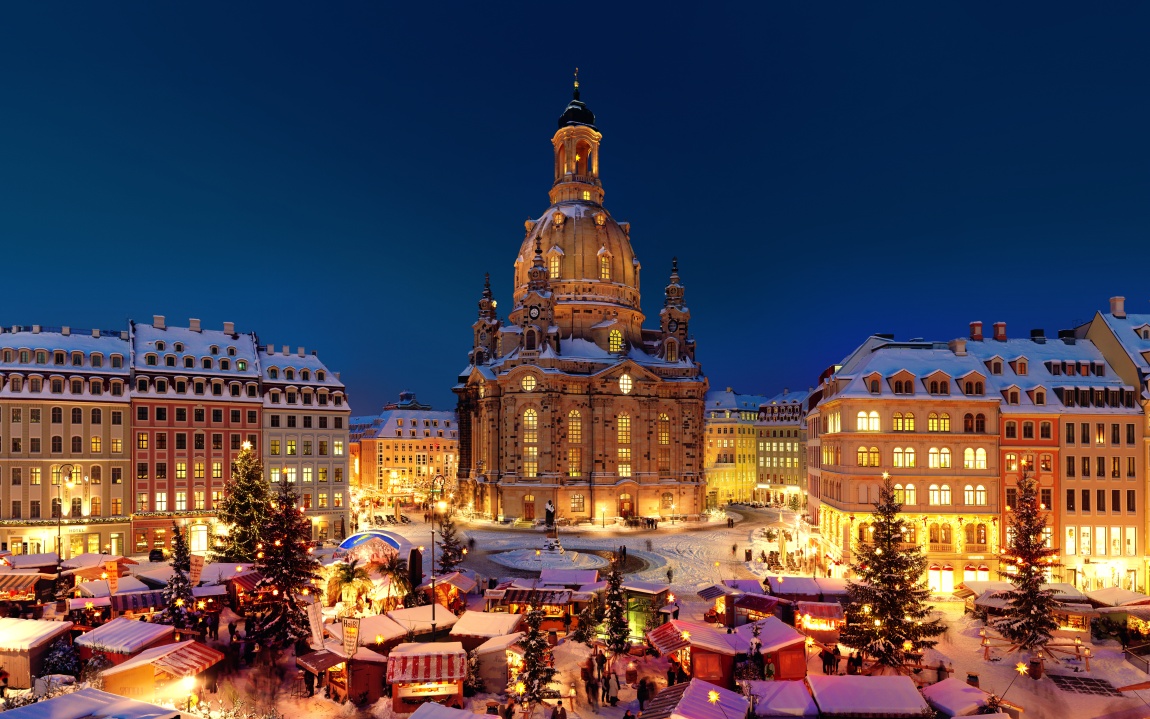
x=604, y=267
x=530, y=442
x=625, y=384
x=615, y=341
x=553, y=269
x=528, y=383
x=586, y=194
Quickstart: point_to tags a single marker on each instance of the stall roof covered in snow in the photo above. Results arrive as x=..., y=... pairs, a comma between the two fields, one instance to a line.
x=692, y=700
x=645, y=587
x=782, y=699
x=569, y=577
x=20, y=635
x=784, y=586
x=954, y=697
x=123, y=635
x=747, y=586
x=863, y=696
x=418, y=619
x=486, y=624
x=831, y=586
x=431, y=710
x=431, y=662
x=679, y=633
x=183, y=659
x=362, y=653
x=379, y=625
x=89, y=560
x=1116, y=597
x=774, y=634
x=498, y=644
x=460, y=581
x=99, y=587
x=31, y=561
x=91, y=704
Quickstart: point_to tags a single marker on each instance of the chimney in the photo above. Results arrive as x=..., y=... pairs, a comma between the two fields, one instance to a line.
x=229, y=328
x=35, y=329
x=299, y=351
x=95, y=333
x=958, y=347
x=123, y=334
x=976, y=331
x=194, y=325
x=1038, y=336
x=158, y=322
x=66, y=330
x=287, y=350
x=1000, y=331
x=1118, y=307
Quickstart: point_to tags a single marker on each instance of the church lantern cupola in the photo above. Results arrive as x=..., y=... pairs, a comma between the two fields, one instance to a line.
x=576, y=146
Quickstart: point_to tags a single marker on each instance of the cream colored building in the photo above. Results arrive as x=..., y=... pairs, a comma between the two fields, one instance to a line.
x=732, y=455
x=573, y=401
x=64, y=423
x=781, y=437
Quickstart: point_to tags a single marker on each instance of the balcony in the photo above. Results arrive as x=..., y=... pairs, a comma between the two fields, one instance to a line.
x=939, y=548
x=975, y=548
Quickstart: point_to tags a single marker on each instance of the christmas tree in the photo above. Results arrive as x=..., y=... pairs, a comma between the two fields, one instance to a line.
x=179, y=604
x=887, y=614
x=538, y=667
x=287, y=565
x=1029, y=620
x=473, y=684
x=450, y=546
x=587, y=624
x=244, y=508
x=618, y=630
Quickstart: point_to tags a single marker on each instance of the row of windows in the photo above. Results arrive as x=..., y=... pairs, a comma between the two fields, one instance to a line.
x=95, y=474
x=1103, y=467
x=1098, y=436
x=224, y=364
x=905, y=422
x=162, y=385
x=159, y=441
x=1100, y=503
x=179, y=347
x=937, y=533
x=56, y=385
x=304, y=397
x=199, y=414
x=289, y=374
x=290, y=474
x=75, y=508
x=937, y=495
x=936, y=458
x=307, y=421
x=60, y=357
x=1085, y=542
x=76, y=445
x=291, y=445
x=56, y=414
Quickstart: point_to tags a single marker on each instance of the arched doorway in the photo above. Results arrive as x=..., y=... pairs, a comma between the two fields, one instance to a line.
x=626, y=506
x=529, y=507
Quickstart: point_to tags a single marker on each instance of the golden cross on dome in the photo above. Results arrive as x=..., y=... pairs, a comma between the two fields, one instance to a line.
x=576, y=78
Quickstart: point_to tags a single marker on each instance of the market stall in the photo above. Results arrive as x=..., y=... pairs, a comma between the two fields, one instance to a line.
x=475, y=628
x=420, y=673
x=795, y=589
x=359, y=677
x=820, y=620
x=497, y=656
x=559, y=607
x=378, y=633
x=91, y=704
x=167, y=672
x=21, y=585
x=121, y=639
x=450, y=590
x=426, y=619
x=696, y=700
x=771, y=700
x=892, y=697
x=23, y=645
x=954, y=697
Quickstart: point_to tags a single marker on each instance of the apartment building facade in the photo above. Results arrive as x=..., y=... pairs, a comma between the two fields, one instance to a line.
x=781, y=439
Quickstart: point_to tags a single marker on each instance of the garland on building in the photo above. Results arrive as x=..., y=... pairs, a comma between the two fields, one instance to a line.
x=887, y=614
x=288, y=567
x=1029, y=620
x=244, y=508
x=179, y=604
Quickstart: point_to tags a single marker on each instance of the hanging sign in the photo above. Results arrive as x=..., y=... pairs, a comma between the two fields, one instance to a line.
x=197, y=568
x=350, y=635
x=315, y=618
x=113, y=570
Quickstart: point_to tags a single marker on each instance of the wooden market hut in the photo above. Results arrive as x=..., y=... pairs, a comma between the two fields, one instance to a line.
x=159, y=672
x=431, y=710
x=821, y=620
x=432, y=672
x=774, y=700
x=121, y=639
x=893, y=697
x=378, y=633
x=495, y=658
x=23, y=645
x=693, y=700
x=450, y=590
x=475, y=628
x=568, y=578
x=422, y=619
x=23, y=585
x=359, y=678
x=795, y=589
x=559, y=606
x=710, y=654
x=91, y=704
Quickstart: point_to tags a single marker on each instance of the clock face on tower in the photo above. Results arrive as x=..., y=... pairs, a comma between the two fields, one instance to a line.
x=672, y=325
x=534, y=312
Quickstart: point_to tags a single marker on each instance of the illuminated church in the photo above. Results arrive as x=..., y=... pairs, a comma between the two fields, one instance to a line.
x=571, y=400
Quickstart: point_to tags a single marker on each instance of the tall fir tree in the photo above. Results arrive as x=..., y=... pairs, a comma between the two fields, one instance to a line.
x=244, y=508
x=284, y=558
x=1029, y=620
x=618, y=629
x=450, y=546
x=538, y=667
x=887, y=614
x=179, y=604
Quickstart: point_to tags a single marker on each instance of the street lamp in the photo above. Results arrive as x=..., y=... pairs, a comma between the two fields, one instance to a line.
x=672, y=515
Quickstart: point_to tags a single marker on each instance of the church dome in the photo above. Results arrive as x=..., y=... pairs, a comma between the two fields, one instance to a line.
x=576, y=112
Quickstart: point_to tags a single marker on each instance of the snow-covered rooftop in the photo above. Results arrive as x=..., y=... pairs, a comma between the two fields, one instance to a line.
x=886, y=696
x=692, y=700
x=486, y=624
x=954, y=697
x=431, y=710
x=370, y=628
x=19, y=635
x=99, y=587
x=400, y=423
x=183, y=342
x=91, y=704
x=123, y=635
x=729, y=399
x=419, y=619
x=577, y=577
x=1117, y=597
x=783, y=699
x=496, y=644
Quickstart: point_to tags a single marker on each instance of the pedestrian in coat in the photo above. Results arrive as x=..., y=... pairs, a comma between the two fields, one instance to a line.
x=601, y=662
x=612, y=689
x=592, y=687
x=559, y=712
x=838, y=659
x=942, y=673
x=642, y=693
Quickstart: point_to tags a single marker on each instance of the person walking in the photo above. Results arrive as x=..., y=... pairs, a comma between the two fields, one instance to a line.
x=942, y=673
x=601, y=662
x=592, y=688
x=612, y=688
x=559, y=712
x=838, y=659
x=671, y=675
x=642, y=693
x=770, y=670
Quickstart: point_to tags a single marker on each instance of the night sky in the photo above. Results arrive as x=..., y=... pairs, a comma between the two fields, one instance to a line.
x=340, y=175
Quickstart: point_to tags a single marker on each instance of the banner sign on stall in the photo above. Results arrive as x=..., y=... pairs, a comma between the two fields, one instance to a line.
x=197, y=568
x=113, y=570
x=350, y=636
x=315, y=617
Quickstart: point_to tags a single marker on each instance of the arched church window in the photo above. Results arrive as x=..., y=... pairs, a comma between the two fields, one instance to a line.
x=672, y=352
x=530, y=443
x=553, y=267
x=615, y=341
x=604, y=267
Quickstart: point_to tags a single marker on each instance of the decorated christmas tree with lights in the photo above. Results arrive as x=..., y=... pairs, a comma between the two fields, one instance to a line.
x=538, y=666
x=1029, y=619
x=887, y=614
x=450, y=546
x=244, y=508
x=618, y=629
x=179, y=604
x=284, y=558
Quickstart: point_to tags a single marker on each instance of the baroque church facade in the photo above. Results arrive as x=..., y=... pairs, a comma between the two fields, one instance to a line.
x=571, y=402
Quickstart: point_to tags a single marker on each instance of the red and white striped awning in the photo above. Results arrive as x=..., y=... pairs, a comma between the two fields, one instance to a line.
x=436, y=662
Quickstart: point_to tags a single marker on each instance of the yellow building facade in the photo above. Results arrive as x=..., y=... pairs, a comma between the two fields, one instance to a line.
x=732, y=456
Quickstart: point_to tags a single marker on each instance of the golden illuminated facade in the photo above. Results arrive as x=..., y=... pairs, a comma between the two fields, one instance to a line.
x=781, y=436
x=731, y=460
x=573, y=401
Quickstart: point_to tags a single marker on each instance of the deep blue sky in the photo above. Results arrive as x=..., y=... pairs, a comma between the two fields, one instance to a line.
x=339, y=175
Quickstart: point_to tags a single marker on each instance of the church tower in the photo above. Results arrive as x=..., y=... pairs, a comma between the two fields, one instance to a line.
x=572, y=401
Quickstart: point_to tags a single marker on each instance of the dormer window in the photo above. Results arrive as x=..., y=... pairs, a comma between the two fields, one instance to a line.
x=58, y=358
x=241, y=365
x=189, y=362
x=150, y=360
x=97, y=360
x=170, y=361
x=77, y=359
x=1021, y=367
x=160, y=346
x=214, y=350
x=304, y=374
x=996, y=367
x=1012, y=397
x=206, y=362
x=273, y=373
x=615, y=341
x=117, y=361
x=224, y=364
x=320, y=375
x=1039, y=397
x=289, y=373
x=874, y=388
x=231, y=351
x=179, y=347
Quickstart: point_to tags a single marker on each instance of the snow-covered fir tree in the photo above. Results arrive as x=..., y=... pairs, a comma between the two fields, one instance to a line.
x=61, y=659
x=244, y=508
x=284, y=558
x=615, y=611
x=1029, y=619
x=538, y=667
x=179, y=604
x=450, y=546
x=887, y=614
x=473, y=683
x=587, y=623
